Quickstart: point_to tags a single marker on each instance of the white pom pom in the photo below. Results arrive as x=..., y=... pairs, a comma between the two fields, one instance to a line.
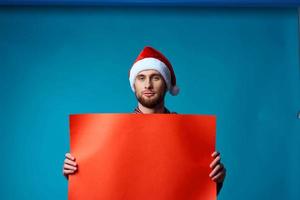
x=174, y=90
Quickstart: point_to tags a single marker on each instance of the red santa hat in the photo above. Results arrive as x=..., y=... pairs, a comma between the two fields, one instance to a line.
x=150, y=58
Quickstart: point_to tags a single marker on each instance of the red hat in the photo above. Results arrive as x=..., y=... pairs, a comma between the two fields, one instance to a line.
x=150, y=58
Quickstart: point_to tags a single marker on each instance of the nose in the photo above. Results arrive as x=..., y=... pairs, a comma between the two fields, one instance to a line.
x=148, y=84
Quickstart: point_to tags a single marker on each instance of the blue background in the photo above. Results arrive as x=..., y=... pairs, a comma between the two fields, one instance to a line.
x=240, y=64
x=156, y=2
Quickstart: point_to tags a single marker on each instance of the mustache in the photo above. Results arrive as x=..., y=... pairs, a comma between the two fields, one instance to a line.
x=148, y=91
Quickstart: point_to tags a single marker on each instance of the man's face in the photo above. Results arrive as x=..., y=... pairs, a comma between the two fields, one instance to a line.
x=150, y=88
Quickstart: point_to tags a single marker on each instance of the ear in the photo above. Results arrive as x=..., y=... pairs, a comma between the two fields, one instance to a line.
x=166, y=87
x=166, y=90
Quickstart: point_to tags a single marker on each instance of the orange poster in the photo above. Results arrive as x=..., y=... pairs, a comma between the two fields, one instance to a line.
x=142, y=157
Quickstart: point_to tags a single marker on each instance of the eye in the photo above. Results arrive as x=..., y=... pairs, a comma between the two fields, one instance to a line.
x=156, y=78
x=141, y=78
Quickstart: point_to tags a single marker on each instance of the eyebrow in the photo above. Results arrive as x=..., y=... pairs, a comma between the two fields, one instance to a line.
x=155, y=74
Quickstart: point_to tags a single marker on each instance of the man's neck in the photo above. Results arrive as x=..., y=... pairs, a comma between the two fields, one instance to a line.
x=157, y=109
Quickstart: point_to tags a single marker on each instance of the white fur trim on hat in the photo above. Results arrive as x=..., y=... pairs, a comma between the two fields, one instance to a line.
x=150, y=63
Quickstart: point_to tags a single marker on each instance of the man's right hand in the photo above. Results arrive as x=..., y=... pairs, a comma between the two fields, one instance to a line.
x=70, y=165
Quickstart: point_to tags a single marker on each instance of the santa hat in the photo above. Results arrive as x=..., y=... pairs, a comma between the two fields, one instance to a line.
x=150, y=58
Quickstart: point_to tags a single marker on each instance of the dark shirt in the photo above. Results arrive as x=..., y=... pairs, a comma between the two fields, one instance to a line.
x=138, y=111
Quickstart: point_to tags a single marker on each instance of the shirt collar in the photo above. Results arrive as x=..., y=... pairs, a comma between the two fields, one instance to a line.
x=138, y=111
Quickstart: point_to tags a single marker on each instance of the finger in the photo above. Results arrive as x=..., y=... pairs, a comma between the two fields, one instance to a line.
x=68, y=155
x=66, y=166
x=67, y=172
x=215, y=170
x=70, y=162
x=215, y=162
x=215, y=154
x=221, y=170
x=219, y=177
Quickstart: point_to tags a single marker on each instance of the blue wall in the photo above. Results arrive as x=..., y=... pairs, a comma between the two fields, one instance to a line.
x=156, y=2
x=241, y=64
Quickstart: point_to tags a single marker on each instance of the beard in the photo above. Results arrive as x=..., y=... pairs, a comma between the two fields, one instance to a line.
x=151, y=102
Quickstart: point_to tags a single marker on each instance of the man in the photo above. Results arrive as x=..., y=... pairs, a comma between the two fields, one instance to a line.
x=151, y=77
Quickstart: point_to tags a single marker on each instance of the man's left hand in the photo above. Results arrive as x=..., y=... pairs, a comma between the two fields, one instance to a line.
x=218, y=171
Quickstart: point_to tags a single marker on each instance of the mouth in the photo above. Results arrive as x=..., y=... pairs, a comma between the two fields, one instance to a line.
x=148, y=94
